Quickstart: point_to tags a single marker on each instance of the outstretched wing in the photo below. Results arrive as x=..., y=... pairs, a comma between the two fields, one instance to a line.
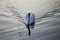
x=53, y=13
x=16, y=14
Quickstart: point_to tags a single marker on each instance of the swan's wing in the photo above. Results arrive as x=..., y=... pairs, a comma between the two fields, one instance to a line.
x=38, y=19
x=16, y=14
x=53, y=13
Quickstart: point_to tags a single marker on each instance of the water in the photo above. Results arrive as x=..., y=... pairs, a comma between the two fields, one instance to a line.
x=13, y=28
x=47, y=29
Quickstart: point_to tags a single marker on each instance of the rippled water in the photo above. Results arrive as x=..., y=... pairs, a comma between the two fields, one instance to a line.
x=12, y=27
x=46, y=29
